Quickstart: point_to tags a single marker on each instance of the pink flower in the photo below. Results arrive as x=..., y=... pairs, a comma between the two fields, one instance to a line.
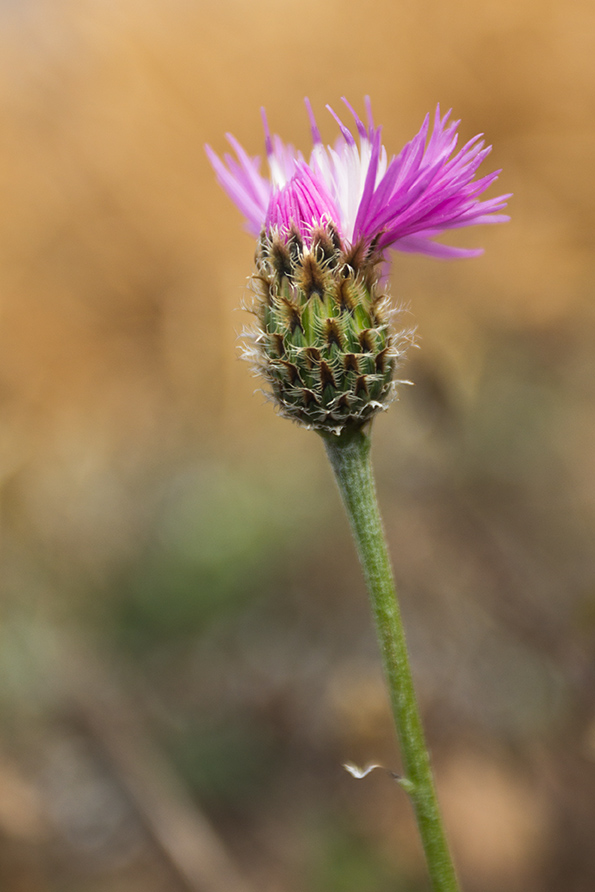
x=404, y=202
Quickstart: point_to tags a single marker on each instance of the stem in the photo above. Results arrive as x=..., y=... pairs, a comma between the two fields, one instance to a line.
x=349, y=455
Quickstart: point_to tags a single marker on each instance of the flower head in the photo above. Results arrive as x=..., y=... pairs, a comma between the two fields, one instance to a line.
x=403, y=203
x=323, y=338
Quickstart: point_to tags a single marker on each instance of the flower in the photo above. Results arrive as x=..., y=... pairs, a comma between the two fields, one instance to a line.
x=323, y=338
x=403, y=203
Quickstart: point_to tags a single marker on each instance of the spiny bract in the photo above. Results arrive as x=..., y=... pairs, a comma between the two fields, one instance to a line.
x=323, y=339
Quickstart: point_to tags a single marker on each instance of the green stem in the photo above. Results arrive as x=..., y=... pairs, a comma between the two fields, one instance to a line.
x=349, y=455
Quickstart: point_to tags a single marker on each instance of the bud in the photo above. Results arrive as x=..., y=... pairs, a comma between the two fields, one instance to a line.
x=323, y=338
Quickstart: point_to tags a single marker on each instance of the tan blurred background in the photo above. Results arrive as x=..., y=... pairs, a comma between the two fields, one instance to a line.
x=185, y=650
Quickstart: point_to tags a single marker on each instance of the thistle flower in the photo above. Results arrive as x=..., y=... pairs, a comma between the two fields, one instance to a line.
x=323, y=339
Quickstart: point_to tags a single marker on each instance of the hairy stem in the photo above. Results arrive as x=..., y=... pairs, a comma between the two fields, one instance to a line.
x=349, y=455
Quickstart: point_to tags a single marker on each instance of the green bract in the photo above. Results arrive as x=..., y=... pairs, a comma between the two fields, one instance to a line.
x=323, y=340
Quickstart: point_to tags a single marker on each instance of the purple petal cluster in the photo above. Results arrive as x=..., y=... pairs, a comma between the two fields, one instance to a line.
x=403, y=203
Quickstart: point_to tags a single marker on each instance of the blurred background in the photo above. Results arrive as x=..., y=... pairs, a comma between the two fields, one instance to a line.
x=186, y=654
